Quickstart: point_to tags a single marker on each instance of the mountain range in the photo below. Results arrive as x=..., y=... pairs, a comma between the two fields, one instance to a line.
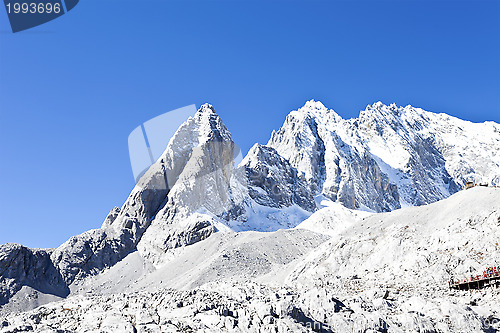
x=328, y=206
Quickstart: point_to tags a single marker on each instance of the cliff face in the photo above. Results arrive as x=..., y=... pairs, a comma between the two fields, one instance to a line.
x=21, y=266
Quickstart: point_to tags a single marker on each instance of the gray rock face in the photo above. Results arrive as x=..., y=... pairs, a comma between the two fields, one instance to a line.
x=362, y=183
x=273, y=182
x=89, y=253
x=299, y=141
x=21, y=266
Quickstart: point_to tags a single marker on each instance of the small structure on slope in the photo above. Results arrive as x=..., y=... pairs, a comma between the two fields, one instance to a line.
x=490, y=277
x=469, y=185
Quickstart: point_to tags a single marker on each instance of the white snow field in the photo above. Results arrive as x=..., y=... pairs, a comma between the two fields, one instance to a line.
x=353, y=271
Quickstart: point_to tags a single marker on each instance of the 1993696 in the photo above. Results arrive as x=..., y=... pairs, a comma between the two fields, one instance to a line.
x=33, y=8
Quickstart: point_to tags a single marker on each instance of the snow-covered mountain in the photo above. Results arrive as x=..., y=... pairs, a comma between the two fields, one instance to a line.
x=389, y=157
x=195, y=213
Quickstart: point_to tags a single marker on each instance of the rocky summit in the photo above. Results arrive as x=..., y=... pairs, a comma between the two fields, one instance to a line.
x=334, y=225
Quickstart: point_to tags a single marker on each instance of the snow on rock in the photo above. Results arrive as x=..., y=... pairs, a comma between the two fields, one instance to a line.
x=333, y=219
x=389, y=157
x=312, y=139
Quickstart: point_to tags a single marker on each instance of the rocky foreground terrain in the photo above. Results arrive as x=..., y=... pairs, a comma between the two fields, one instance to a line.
x=333, y=226
x=380, y=272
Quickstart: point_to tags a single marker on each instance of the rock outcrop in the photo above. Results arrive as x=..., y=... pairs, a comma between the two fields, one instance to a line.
x=21, y=266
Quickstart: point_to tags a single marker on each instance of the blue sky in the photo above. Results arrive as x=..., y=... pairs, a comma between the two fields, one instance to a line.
x=72, y=90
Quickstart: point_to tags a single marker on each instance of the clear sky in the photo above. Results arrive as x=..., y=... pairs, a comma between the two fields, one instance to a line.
x=72, y=90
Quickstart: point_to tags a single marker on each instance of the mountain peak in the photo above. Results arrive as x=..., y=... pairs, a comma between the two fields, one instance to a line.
x=206, y=108
x=312, y=104
x=379, y=109
x=393, y=108
x=319, y=111
x=208, y=124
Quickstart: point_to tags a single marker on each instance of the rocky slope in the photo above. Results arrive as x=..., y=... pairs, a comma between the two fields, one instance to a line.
x=365, y=272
